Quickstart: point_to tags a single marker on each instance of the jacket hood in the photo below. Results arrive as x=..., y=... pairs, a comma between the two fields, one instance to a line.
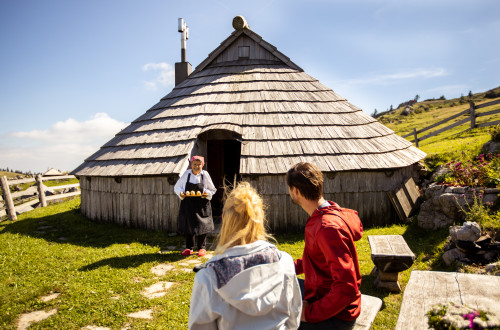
x=262, y=293
x=350, y=217
x=255, y=290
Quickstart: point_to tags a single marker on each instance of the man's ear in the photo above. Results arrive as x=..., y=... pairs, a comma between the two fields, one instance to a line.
x=295, y=191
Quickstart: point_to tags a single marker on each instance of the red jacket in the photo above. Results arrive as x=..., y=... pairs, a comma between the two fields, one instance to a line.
x=330, y=264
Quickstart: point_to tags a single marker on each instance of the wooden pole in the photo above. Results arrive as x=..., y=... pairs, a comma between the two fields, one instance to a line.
x=472, y=115
x=415, y=136
x=11, y=211
x=41, y=192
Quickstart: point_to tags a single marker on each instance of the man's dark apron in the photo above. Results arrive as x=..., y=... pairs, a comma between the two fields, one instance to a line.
x=195, y=213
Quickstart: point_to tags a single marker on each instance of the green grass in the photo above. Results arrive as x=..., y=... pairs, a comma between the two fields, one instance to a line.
x=100, y=269
x=9, y=175
x=454, y=144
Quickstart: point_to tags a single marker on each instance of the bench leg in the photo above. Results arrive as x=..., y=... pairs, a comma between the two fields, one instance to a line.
x=387, y=281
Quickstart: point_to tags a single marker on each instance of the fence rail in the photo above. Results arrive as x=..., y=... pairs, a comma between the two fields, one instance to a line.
x=471, y=111
x=34, y=195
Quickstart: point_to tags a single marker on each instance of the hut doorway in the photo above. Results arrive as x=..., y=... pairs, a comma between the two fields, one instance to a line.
x=223, y=164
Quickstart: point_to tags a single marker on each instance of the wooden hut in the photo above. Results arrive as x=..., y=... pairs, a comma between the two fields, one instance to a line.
x=52, y=172
x=252, y=113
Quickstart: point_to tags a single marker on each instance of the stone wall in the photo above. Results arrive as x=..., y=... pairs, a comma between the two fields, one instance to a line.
x=443, y=204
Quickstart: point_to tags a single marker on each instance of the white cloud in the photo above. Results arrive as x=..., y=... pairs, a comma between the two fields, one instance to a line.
x=393, y=78
x=65, y=145
x=165, y=77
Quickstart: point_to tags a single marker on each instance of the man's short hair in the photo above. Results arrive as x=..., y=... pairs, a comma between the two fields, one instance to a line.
x=307, y=178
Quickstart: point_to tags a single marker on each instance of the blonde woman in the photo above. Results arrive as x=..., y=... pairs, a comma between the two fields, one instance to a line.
x=249, y=283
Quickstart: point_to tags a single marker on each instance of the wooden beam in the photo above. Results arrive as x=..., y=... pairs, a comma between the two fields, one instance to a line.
x=458, y=123
x=487, y=104
x=492, y=112
x=41, y=192
x=11, y=211
x=492, y=123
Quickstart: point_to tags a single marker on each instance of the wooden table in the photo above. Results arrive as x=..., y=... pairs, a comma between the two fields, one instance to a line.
x=391, y=255
x=426, y=289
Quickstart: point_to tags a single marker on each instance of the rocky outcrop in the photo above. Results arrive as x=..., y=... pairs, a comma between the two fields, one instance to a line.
x=491, y=147
x=467, y=245
x=443, y=204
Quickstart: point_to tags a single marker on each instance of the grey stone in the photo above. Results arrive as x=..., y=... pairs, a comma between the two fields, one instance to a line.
x=441, y=170
x=452, y=256
x=491, y=255
x=490, y=268
x=445, y=205
x=470, y=232
x=491, y=147
x=459, y=190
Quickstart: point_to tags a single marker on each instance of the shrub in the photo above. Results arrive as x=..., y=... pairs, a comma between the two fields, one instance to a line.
x=483, y=171
x=495, y=133
x=480, y=212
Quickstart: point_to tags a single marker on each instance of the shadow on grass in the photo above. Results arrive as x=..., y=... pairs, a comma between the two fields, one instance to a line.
x=71, y=227
x=426, y=245
x=132, y=261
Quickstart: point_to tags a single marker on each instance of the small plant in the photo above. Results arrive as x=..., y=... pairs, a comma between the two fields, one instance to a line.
x=480, y=212
x=495, y=133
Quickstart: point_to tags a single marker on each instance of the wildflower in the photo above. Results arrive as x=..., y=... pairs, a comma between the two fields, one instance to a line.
x=470, y=316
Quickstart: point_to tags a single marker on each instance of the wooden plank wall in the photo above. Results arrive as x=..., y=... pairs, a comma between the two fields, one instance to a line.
x=365, y=192
x=141, y=202
x=150, y=203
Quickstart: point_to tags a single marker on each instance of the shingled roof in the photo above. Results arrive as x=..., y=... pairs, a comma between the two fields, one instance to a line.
x=280, y=114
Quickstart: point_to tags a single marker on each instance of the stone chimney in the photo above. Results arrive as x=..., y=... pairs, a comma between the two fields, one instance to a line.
x=182, y=68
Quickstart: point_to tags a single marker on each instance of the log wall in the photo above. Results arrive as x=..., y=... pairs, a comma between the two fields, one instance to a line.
x=141, y=202
x=365, y=192
x=150, y=202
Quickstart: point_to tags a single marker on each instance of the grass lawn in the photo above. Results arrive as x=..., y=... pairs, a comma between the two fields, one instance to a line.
x=451, y=145
x=101, y=269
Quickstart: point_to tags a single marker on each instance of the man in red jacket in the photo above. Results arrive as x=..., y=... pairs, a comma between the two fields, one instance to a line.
x=331, y=295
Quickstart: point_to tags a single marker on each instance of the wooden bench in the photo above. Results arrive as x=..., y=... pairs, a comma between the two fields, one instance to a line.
x=369, y=309
x=391, y=255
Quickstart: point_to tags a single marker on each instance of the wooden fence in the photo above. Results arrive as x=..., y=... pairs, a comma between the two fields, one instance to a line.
x=472, y=115
x=33, y=196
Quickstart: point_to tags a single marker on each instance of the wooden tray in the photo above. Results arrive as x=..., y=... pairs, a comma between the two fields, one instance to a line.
x=192, y=195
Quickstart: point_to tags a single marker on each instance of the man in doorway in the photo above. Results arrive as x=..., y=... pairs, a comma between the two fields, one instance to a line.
x=331, y=295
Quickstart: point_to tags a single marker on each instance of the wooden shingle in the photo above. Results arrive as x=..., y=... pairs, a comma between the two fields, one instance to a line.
x=280, y=114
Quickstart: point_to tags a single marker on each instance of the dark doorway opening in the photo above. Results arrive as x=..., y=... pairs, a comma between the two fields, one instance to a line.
x=223, y=165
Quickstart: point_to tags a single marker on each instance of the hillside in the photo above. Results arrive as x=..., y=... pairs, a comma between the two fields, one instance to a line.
x=449, y=145
x=10, y=175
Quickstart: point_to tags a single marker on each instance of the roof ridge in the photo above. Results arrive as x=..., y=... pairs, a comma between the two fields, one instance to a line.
x=255, y=37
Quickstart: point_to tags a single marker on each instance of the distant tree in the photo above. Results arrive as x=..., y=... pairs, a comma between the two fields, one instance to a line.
x=470, y=94
x=462, y=99
x=416, y=97
x=390, y=109
x=374, y=114
x=442, y=97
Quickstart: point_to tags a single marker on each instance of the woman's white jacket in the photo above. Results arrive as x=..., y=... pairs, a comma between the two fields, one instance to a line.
x=251, y=286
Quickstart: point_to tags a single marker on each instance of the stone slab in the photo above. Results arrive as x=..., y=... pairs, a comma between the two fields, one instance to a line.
x=426, y=289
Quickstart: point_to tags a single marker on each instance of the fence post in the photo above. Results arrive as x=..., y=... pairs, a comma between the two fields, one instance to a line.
x=11, y=211
x=41, y=192
x=472, y=115
x=415, y=136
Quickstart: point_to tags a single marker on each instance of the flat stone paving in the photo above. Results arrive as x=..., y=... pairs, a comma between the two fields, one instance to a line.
x=426, y=289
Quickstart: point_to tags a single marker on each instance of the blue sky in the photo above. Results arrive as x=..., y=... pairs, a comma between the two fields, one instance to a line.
x=73, y=73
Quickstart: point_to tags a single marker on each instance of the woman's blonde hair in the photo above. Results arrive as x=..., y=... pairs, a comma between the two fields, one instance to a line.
x=243, y=218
